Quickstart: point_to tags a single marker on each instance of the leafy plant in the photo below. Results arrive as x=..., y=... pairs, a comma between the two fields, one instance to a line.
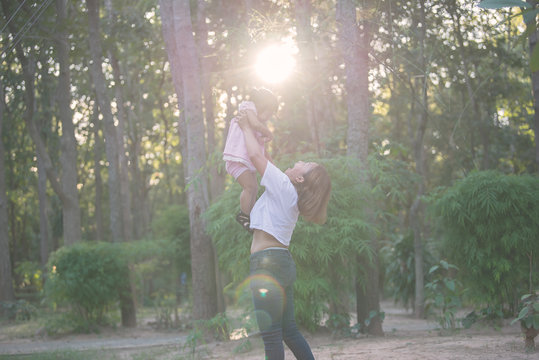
x=86, y=277
x=218, y=327
x=489, y=224
x=20, y=310
x=443, y=294
x=400, y=268
x=529, y=319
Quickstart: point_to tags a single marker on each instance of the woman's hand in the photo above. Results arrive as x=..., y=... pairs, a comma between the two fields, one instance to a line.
x=243, y=120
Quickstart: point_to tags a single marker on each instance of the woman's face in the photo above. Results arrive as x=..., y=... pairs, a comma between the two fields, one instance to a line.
x=297, y=172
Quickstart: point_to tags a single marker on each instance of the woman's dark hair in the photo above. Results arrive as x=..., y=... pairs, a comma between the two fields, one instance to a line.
x=313, y=195
x=264, y=100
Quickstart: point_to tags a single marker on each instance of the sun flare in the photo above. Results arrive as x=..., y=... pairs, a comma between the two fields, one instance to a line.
x=275, y=63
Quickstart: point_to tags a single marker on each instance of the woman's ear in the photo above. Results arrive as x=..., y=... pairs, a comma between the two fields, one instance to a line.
x=299, y=179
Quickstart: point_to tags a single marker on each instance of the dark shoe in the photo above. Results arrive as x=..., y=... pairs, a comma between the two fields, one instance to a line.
x=244, y=220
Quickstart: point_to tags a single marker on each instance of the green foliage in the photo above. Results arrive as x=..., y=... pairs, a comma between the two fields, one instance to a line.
x=29, y=276
x=400, y=268
x=20, y=310
x=172, y=224
x=529, y=312
x=86, y=276
x=529, y=320
x=490, y=224
x=325, y=255
x=443, y=294
x=218, y=327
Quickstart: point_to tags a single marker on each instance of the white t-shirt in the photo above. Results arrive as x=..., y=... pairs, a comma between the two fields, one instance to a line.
x=276, y=211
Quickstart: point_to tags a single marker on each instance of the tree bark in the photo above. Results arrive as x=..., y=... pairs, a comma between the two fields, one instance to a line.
x=216, y=178
x=532, y=42
x=127, y=303
x=123, y=163
x=68, y=156
x=355, y=46
x=311, y=85
x=179, y=28
x=6, y=281
x=44, y=233
x=98, y=150
x=419, y=157
x=109, y=129
x=67, y=193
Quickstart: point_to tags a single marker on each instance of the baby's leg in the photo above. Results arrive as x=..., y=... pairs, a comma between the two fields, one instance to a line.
x=248, y=182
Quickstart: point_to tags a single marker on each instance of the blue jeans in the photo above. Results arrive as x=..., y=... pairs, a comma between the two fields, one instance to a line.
x=273, y=273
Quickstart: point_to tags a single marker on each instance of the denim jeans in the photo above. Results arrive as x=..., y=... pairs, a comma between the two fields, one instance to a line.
x=272, y=274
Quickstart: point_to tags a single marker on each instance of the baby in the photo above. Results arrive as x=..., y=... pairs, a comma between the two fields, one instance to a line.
x=262, y=105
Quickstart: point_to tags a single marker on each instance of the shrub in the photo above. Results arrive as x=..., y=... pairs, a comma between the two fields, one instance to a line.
x=490, y=226
x=87, y=277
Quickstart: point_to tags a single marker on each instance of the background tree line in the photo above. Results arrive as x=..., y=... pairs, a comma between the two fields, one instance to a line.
x=113, y=116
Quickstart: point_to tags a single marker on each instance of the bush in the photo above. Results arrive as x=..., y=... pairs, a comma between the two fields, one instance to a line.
x=87, y=277
x=20, y=310
x=490, y=226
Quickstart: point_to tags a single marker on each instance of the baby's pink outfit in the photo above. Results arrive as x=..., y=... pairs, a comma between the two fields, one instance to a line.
x=235, y=153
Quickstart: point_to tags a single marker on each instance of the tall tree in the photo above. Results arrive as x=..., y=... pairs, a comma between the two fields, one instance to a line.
x=178, y=30
x=67, y=193
x=355, y=41
x=68, y=156
x=420, y=26
x=532, y=41
x=312, y=83
x=109, y=129
x=6, y=283
x=216, y=179
x=97, y=151
x=123, y=163
x=127, y=304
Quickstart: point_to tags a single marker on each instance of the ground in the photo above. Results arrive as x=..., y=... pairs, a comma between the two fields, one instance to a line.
x=405, y=338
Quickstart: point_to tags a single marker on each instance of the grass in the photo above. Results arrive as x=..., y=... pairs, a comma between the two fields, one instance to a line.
x=20, y=330
x=160, y=353
x=64, y=355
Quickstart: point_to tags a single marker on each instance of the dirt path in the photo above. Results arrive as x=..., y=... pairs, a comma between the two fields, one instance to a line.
x=406, y=339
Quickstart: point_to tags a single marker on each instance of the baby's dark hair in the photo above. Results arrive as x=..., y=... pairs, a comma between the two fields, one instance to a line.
x=264, y=100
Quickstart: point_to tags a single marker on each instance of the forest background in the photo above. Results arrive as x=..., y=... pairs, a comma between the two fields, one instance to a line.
x=113, y=116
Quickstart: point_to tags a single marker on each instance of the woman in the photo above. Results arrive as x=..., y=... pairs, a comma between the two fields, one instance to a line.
x=303, y=189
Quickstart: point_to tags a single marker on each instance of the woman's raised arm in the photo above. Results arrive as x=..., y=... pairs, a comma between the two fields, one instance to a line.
x=251, y=143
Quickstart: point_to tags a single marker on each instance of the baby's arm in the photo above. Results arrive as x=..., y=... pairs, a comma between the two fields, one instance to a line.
x=258, y=125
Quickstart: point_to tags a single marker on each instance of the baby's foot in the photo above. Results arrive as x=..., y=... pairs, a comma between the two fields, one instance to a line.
x=244, y=220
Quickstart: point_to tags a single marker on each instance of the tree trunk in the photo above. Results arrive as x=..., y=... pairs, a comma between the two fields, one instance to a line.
x=6, y=281
x=43, y=216
x=98, y=150
x=216, y=177
x=532, y=41
x=355, y=45
x=123, y=163
x=109, y=129
x=127, y=303
x=311, y=85
x=179, y=28
x=67, y=188
x=419, y=157
x=68, y=156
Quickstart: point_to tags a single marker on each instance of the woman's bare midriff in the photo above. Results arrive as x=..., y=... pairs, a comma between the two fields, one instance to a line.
x=262, y=240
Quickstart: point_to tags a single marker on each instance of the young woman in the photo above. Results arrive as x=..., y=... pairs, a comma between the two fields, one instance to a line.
x=301, y=190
